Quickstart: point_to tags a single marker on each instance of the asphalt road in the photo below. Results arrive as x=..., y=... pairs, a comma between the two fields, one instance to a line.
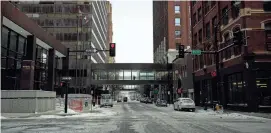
x=140, y=118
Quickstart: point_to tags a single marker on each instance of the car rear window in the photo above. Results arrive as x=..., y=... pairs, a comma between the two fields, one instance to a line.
x=187, y=100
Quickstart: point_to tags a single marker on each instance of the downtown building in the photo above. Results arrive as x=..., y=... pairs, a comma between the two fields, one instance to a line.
x=171, y=28
x=31, y=59
x=79, y=25
x=244, y=72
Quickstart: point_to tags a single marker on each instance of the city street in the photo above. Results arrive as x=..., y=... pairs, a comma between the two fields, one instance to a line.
x=134, y=117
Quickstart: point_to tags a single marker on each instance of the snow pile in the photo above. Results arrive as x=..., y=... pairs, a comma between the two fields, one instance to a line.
x=69, y=111
x=98, y=112
x=211, y=113
x=50, y=116
x=2, y=117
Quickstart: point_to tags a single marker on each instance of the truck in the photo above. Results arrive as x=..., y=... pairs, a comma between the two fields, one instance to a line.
x=106, y=100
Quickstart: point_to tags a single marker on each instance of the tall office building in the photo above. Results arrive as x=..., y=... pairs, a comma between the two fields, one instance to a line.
x=110, y=29
x=79, y=25
x=171, y=27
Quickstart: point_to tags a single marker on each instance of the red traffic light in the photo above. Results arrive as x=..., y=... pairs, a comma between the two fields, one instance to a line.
x=112, y=45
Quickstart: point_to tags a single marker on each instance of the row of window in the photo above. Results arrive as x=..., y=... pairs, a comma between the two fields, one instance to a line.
x=62, y=22
x=207, y=5
x=197, y=38
x=13, y=48
x=72, y=36
x=54, y=8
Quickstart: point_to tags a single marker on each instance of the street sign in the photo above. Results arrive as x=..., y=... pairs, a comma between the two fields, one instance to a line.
x=155, y=91
x=213, y=73
x=66, y=78
x=91, y=50
x=179, y=91
x=196, y=52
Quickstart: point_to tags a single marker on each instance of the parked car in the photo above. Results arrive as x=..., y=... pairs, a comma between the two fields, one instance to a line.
x=143, y=100
x=162, y=103
x=125, y=99
x=148, y=100
x=119, y=100
x=184, y=104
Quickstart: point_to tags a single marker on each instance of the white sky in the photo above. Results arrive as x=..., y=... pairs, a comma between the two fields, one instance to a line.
x=132, y=31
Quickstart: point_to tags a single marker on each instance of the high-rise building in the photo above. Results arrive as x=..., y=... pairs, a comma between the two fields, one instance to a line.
x=243, y=81
x=171, y=27
x=79, y=25
x=110, y=30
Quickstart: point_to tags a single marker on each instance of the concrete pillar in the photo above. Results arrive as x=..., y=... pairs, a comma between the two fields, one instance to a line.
x=28, y=64
x=51, y=70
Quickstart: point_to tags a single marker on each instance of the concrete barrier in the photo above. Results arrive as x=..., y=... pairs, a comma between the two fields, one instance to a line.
x=27, y=101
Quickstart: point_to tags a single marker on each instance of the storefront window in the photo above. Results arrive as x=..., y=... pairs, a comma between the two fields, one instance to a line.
x=263, y=85
x=11, y=58
x=236, y=89
x=40, y=76
x=207, y=88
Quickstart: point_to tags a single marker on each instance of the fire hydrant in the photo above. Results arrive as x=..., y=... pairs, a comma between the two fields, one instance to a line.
x=217, y=107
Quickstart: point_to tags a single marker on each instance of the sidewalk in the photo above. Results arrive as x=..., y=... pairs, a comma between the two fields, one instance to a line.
x=27, y=115
x=255, y=114
x=59, y=112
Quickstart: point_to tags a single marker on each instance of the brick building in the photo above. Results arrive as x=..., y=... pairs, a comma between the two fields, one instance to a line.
x=171, y=28
x=244, y=71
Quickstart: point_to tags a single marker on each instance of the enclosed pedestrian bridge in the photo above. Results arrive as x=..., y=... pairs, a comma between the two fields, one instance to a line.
x=130, y=73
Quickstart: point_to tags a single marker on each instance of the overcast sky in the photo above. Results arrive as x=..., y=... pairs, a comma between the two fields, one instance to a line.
x=132, y=31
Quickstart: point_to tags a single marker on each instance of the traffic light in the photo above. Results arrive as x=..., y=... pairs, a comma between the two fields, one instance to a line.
x=181, y=51
x=112, y=49
x=238, y=37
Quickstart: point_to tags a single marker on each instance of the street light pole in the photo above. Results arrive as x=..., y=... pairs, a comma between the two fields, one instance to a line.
x=220, y=99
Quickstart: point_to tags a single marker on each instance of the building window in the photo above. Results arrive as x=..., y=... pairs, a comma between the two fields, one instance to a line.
x=200, y=36
x=41, y=68
x=207, y=89
x=194, y=19
x=267, y=6
x=177, y=9
x=206, y=7
x=235, y=10
x=267, y=27
x=177, y=46
x=237, y=49
x=207, y=30
x=12, y=51
x=177, y=34
x=227, y=52
x=193, y=3
x=199, y=14
x=225, y=19
x=213, y=3
x=213, y=24
x=177, y=21
x=195, y=39
x=236, y=89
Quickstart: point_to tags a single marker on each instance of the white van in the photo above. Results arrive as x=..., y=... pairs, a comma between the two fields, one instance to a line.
x=106, y=100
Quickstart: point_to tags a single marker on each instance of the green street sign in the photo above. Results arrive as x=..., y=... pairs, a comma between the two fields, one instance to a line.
x=155, y=91
x=196, y=52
